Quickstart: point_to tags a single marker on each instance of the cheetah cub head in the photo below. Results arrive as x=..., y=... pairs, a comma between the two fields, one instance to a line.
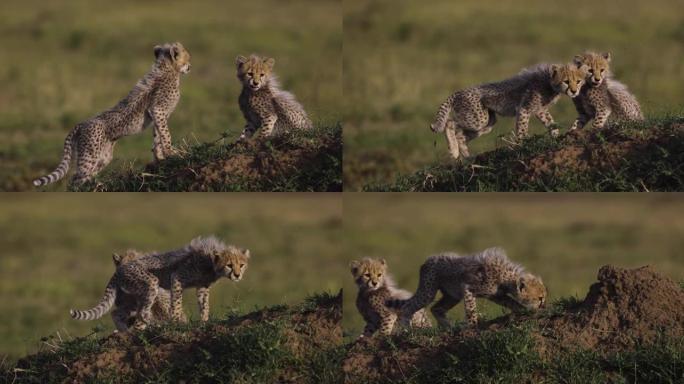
x=254, y=72
x=568, y=78
x=129, y=255
x=598, y=66
x=369, y=274
x=173, y=54
x=529, y=292
x=231, y=262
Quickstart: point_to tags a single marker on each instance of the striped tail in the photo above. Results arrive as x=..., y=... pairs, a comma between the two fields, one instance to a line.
x=101, y=308
x=396, y=303
x=442, y=116
x=63, y=166
x=623, y=103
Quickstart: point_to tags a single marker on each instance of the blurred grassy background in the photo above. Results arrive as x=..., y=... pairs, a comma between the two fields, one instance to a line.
x=57, y=252
x=565, y=238
x=66, y=61
x=402, y=58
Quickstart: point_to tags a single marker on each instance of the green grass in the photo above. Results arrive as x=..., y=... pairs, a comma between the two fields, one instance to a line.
x=233, y=349
x=402, y=59
x=564, y=238
x=57, y=252
x=303, y=162
x=510, y=355
x=66, y=61
x=651, y=159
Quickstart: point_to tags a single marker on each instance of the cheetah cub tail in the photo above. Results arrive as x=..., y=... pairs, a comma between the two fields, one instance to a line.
x=442, y=116
x=101, y=308
x=63, y=166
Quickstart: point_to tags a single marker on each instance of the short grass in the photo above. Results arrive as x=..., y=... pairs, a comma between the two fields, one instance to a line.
x=66, y=61
x=402, y=59
x=313, y=164
x=654, y=164
x=57, y=252
x=565, y=238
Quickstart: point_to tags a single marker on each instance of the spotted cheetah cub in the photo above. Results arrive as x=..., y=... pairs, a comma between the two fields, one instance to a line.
x=488, y=274
x=375, y=288
x=197, y=265
x=530, y=93
x=264, y=105
x=603, y=97
x=127, y=306
x=153, y=99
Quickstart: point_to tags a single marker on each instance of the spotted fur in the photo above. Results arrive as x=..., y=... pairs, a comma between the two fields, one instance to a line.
x=603, y=97
x=488, y=274
x=153, y=99
x=375, y=288
x=197, y=265
x=264, y=105
x=530, y=93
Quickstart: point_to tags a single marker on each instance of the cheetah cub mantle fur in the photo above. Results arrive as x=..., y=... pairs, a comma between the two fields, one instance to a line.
x=603, y=96
x=530, y=93
x=153, y=99
x=488, y=274
x=127, y=306
x=197, y=265
x=263, y=104
x=375, y=288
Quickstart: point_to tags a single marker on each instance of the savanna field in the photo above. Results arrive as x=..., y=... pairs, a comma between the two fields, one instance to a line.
x=65, y=62
x=57, y=254
x=391, y=94
x=564, y=238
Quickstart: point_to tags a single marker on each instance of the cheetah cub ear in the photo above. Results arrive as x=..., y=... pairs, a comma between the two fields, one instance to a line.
x=270, y=62
x=578, y=60
x=554, y=69
x=606, y=55
x=158, y=50
x=521, y=284
x=239, y=60
x=354, y=266
x=116, y=258
x=174, y=51
x=245, y=252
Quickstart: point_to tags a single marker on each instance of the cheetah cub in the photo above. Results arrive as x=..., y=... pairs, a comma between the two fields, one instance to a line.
x=530, y=93
x=375, y=288
x=488, y=274
x=603, y=97
x=263, y=104
x=197, y=265
x=153, y=99
x=127, y=306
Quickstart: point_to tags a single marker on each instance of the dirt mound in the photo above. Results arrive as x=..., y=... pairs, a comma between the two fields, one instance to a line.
x=275, y=345
x=625, y=309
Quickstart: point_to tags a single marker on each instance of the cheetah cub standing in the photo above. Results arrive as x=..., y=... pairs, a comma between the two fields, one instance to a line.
x=488, y=274
x=197, y=265
x=127, y=306
x=264, y=105
x=375, y=288
x=603, y=97
x=529, y=93
x=153, y=99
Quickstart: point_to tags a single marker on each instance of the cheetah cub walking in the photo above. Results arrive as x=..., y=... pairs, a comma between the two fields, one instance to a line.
x=603, y=97
x=264, y=105
x=488, y=274
x=153, y=99
x=197, y=265
x=530, y=93
x=127, y=307
x=375, y=288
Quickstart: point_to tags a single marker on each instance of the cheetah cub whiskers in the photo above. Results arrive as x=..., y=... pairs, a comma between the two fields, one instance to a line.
x=153, y=99
x=603, y=97
x=488, y=274
x=197, y=265
x=263, y=104
x=530, y=93
x=375, y=288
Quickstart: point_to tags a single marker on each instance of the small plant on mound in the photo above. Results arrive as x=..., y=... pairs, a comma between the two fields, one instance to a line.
x=640, y=156
x=300, y=161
